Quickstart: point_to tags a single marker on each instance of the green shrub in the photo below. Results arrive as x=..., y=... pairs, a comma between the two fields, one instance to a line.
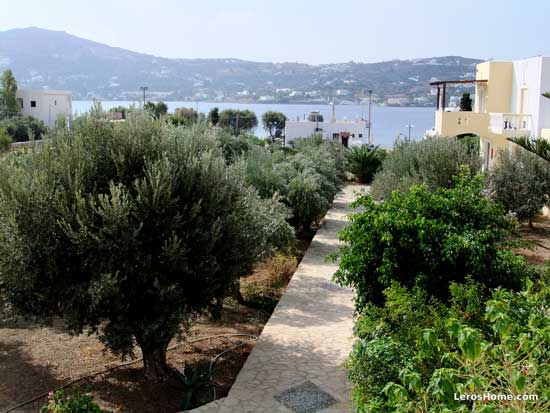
x=23, y=128
x=364, y=162
x=433, y=162
x=77, y=403
x=412, y=356
x=307, y=177
x=428, y=239
x=508, y=355
x=5, y=141
x=131, y=229
x=521, y=182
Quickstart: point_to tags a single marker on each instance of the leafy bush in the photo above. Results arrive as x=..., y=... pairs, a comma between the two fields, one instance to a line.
x=509, y=355
x=521, y=182
x=411, y=356
x=23, y=128
x=364, y=162
x=428, y=239
x=131, y=229
x=307, y=177
x=5, y=141
x=433, y=162
x=77, y=403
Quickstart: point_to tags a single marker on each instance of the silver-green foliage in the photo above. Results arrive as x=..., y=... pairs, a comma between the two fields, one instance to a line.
x=130, y=229
x=433, y=162
x=307, y=177
x=521, y=182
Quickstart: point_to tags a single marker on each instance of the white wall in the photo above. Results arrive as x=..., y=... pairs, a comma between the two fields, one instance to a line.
x=305, y=129
x=544, y=115
x=533, y=75
x=50, y=104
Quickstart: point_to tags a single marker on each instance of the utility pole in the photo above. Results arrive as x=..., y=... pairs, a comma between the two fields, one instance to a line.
x=410, y=127
x=144, y=89
x=370, y=102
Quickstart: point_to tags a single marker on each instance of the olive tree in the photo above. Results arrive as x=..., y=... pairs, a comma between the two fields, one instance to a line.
x=274, y=124
x=521, y=182
x=129, y=230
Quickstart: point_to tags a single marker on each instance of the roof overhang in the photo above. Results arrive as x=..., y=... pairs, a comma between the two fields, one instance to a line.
x=450, y=82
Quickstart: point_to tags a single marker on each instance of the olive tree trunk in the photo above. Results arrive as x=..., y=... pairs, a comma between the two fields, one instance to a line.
x=155, y=367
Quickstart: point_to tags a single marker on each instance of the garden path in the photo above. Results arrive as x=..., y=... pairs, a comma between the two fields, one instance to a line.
x=296, y=365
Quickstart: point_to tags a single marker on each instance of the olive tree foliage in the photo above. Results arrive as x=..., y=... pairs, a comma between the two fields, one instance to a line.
x=130, y=229
x=521, y=182
x=237, y=121
x=433, y=162
x=8, y=91
x=274, y=124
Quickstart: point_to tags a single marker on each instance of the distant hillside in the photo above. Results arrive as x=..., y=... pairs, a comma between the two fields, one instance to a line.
x=57, y=60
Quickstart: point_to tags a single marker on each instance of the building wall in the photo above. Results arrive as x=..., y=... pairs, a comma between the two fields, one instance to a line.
x=50, y=104
x=459, y=123
x=305, y=129
x=499, y=85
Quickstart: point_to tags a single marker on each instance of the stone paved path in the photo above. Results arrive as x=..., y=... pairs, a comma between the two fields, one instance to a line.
x=305, y=341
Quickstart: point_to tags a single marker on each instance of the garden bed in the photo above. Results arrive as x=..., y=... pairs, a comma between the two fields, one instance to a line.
x=36, y=359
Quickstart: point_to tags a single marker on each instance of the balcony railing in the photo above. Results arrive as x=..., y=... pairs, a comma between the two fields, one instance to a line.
x=510, y=123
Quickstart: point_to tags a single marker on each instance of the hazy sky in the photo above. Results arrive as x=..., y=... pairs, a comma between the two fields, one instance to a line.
x=308, y=31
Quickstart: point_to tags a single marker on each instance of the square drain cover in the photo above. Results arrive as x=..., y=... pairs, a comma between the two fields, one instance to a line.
x=306, y=398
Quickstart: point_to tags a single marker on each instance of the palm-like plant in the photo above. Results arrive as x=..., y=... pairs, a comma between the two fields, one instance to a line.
x=365, y=161
x=540, y=147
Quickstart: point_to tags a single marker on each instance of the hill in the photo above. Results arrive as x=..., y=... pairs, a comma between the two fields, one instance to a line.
x=52, y=59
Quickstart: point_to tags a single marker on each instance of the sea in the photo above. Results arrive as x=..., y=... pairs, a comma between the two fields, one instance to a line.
x=388, y=123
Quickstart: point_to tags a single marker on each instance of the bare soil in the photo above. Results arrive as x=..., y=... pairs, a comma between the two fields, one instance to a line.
x=538, y=252
x=36, y=359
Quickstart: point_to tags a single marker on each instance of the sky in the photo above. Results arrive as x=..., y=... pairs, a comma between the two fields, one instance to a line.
x=304, y=31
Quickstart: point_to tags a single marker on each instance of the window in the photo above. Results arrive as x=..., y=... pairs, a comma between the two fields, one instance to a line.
x=33, y=103
x=360, y=135
x=335, y=136
x=318, y=129
x=353, y=135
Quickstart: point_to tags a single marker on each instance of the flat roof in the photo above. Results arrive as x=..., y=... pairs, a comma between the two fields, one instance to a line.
x=444, y=82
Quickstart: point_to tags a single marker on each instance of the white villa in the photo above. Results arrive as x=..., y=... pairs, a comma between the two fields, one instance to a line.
x=46, y=105
x=348, y=133
x=509, y=102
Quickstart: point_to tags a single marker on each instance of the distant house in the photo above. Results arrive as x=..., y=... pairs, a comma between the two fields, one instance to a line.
x=509, y=102
x=46, y=105
x=348, y=133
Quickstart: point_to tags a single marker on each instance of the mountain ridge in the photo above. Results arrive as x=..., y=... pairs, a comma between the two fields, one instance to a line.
x=42, y=58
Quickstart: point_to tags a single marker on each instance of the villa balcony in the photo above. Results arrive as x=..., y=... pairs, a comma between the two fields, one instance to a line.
x=460, y=123
x=510, y=124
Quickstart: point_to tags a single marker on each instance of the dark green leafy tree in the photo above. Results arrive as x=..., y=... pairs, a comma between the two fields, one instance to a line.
x=213, y=116
x=130, y=229
x=23, y=128
x=428, y=239
x=238, y=121
x=521, y=182
x=274, y=124
x=466, y=103
x=365, y=162
x=157, y=109
x=8, y=99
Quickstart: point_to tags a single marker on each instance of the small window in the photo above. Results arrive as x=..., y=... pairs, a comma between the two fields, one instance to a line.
x=353, y=135
x=335, y=136
x=33, y=103
x=55, y=102
x=360, y=135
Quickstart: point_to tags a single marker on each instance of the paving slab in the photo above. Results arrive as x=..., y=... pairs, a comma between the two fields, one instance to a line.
x=296, y=365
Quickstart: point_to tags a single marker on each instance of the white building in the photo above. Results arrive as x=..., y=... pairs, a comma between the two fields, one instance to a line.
x=348, y=133
x=46, y=105
x=510, y=101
